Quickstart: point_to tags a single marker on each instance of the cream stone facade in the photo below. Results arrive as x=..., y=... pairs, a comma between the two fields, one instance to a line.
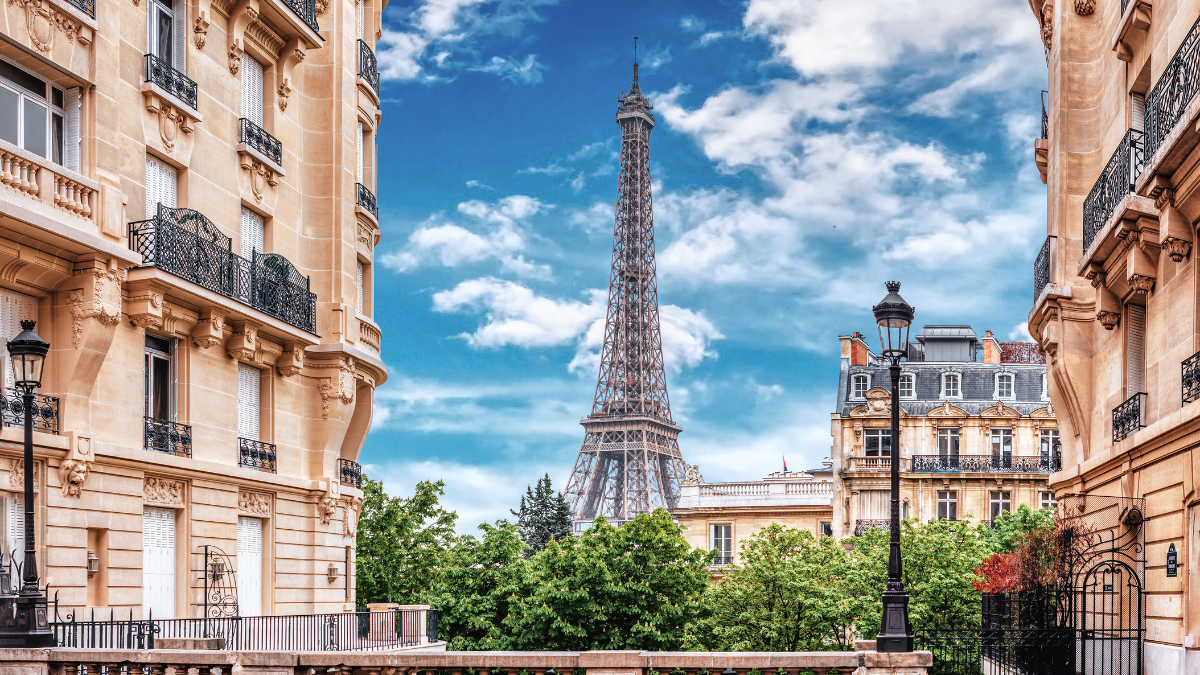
x=187, y=209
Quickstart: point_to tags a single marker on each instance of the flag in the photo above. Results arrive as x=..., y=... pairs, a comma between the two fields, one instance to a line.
x=784, y=463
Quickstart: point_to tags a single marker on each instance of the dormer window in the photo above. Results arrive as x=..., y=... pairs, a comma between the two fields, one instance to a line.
x=907, y=390
x=859, y=384
x=1004, y=386
x=950, y=386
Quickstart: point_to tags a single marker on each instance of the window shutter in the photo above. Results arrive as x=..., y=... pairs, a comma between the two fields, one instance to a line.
x=252, y=233
x=358, y=285
x=360, y=7
x=360, y=157
x=250, y=564
x=160, y=185
x=375, y=163
x=1138, y=118
x=1135, y=343
x=16, y=523
x=72, y=106
x=179, y=34
x=158, y=562
x=252, y=90
x=14, y=308
x=248, y=401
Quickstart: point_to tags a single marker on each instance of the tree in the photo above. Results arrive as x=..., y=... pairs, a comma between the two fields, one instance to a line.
x=545, y=516
x=1010, y=527
x=402, y=542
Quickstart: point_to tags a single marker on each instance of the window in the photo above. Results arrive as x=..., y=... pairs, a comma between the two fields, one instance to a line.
x=877, y=442
x=360, y=7
x=253, y=229
x=159, y=375
x=859, y=386
x=1137, y=117
x=158, y=562
x=1045, y=387
x=252, y=90
x=1050, y=448
x=826, y=529
x=161, y=184
x=907, y=390
x=250, y=566
x=248, y=402
x=948, y=443
x=904, y=510
x=358, y=285
x=359, y=168
x=39, y=117
x=947, y=504
x=1000, y=502
x=722, y=542
x=1048, y=501
x=1004, y=386
x=166, y=37
x=12, y=508
x=1002, y=440
x=950, y=388
x=1135, y=345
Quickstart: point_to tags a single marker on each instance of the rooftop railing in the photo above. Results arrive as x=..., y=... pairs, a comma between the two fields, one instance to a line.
x=173, y=81
x=368, y=67
x=1175, y=89
x=1128, y=417
x=1115, y=181
x=254, y=136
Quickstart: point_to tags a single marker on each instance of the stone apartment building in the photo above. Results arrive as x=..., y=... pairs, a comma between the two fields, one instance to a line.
x=1115, y=295
x=977, y=433
x=187, y=210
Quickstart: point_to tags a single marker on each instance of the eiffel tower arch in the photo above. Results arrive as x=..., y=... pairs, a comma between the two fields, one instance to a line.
x=629, y=462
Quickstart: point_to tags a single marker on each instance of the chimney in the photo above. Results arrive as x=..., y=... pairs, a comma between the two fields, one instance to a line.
x=858, y=350
x=991, y=348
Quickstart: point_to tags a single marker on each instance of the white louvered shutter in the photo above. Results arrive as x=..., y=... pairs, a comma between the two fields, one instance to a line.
x=14, y=308
x=161, y=181
x=252, y=233
x=15, y=523
x=250, y=566
x=72, y=106
x=375, y=163
x=360, y=157
x=158, y=562
x=1138, y=116
x=360, y=11
x=1135, y=359
x=180, y=34
x=358, y=285
x=248, y=398
x=252, y=90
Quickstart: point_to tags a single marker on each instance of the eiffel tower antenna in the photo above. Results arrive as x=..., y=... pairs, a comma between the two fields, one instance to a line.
x=629, y=462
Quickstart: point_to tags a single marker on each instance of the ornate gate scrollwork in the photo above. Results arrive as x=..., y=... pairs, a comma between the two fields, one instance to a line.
x=220, y=584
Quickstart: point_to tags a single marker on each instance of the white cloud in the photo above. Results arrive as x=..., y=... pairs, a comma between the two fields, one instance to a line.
x=692, y=24
x=997, y=74
x=595, y=219
x=1020, y=333
x=528, y=71
x=652, y=59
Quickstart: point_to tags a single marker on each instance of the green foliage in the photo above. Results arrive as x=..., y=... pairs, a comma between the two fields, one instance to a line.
x=1010, y=528
x=545, y=516
x=402, y=542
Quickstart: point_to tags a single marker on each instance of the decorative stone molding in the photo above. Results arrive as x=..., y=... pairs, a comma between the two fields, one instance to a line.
x=339, y=387
x=292, y=55
x=292, y=360
x=74, y=470
x=351, y=507
x=145, y=307
x=200, y=29
x=43, y=21
x=1047, y=23
x=1085, y=7
x=243, y=344
x=254, y=503
x=947, y=410
x=691, y=474
x=261, y=176
x=328, y=503
x=241, y=16
x=100, y=298
x=162, y=491
x=210, y=329
x=322, y=7
x=1174, y=230
x=16, y=475
x=166, y=120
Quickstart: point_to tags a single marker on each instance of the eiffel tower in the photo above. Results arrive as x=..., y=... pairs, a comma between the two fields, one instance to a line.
x=629, y=462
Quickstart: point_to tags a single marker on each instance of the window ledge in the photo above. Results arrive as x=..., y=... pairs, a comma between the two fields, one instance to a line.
x=365, y=86
x=270, y=163
x=368, y=216
x=185, y=108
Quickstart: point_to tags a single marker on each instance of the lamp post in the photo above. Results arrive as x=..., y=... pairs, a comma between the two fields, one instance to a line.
x=894, y=317
x=28, y=354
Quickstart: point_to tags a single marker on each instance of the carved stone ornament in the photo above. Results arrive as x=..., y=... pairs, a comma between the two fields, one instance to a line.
x=169, y=121
x=292, y=360
x=342, y=389
x=104, y=305
x=351, y=507
x=243, y=344
x=16, y=475
x=322, y=7
x=1048, y=23
x=1141, y=284
x=1085, y=7
x=41, y=20
x=254, y=503
x=1108, y=319
x=260, y=177
x=162, y=491
x=209, y=331
x=1178, y=249
x=285, y=90
x=692, y=474
x=327, y=505
x=72, y=473
x=200, y=29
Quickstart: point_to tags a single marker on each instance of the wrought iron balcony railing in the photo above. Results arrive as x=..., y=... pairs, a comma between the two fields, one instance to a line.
x=45, y=417
x=368, y=67
x=1115, y=181
x=172, y=438
x=861, y=526
x=722, y=560
x=1045, y=117
x=1191, y=378
x=349, y=472
x=256, y=454
x=86, y=6
x=176, y=83
x=366, y=199
x=186, y=244
x=983, y=464
x=1129, y=416
x=1041, y=270
x=1175, y=89
x=254, y=136
x=307, y=11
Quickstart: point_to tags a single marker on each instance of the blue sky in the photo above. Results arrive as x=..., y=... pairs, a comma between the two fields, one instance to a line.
x=805, y=152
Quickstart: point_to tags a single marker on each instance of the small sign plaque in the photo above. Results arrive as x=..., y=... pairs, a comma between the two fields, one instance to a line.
x=1108, y=588
x=1172, y=561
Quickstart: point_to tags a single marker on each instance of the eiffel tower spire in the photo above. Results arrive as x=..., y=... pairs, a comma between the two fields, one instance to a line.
x=629, y=462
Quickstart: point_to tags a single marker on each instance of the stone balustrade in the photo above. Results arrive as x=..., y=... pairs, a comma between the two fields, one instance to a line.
x=369, y=335
x=45, y=181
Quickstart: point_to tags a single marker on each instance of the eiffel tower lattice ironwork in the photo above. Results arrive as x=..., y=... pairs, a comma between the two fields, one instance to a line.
x=629, y=462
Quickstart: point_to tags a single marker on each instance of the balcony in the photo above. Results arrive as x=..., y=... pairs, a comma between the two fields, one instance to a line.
x=259, y=140
x=256, y=455
x=366, y=199
x=861, y=526
x=1191, y=378
x=349, y=472
x=186, y=244
x=39, y=179
x=992, y=464
x=1041, y=270
x=1176, y=87
x=1129, y=416
x=861, y=464
x=172, y=438
x=1045, y=117
x=175, y=83
x=722, y=561
x=307, y=11
x=1115, y=181
x=45, y=419
x=86, y=6
x=368, y=67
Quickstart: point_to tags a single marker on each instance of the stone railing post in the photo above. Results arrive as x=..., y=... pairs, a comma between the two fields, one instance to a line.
x=421, y=617
x=871, y=662
x=383, y=620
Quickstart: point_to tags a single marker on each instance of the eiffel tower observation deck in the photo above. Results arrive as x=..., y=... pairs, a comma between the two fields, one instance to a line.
x=629, y=462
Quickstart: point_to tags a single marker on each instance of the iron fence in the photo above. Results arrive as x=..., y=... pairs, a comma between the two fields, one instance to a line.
x=861, y=526
x=307, y=11
x=1129, y=416
x=431, y=624
x=368, y=67
x=177, y=84
x=983, y=464
x=256, y=454
x=1115, y=181
x=170, y=437
x=86, y=6
x=256, y=137
x=1175, y=89
x=45, y=411
x=1045, y=116
x=366, y=199
x=1191, y=378
x=349, y=472
x=1041, y=270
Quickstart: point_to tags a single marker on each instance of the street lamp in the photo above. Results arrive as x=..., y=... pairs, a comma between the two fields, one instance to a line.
x=894, y=317
x=28, y=354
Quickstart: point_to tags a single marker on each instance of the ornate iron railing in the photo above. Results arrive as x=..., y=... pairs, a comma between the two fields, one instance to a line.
x=307, y=11
x=1129, y=416
x=172, y=438
x=176, y=83
x=186, y=244
x=1115, y=181
x=1041, y=270
x=1191, y=378
x=982, y=464
x=86, y=6
x=254, y=136
x=45, y=408
x=861, y=526
x=256, y=454
x=366, y=199
x=722, y=560
x=1045, y=117
x=368, y=67
x=349, y=472
x=1175, y=89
